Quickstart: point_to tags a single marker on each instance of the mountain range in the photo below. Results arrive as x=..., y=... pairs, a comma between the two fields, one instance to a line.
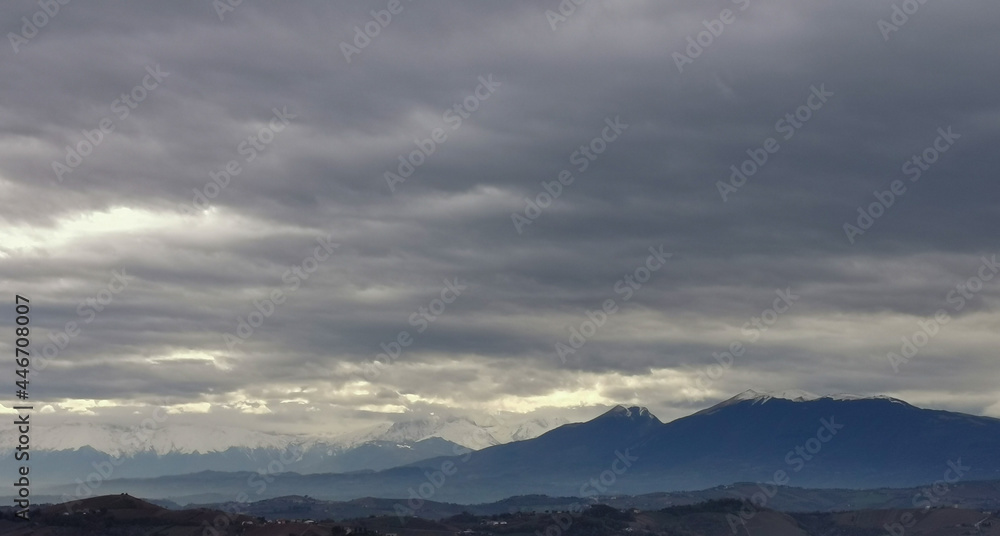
x=787, y=439
x=173, y=449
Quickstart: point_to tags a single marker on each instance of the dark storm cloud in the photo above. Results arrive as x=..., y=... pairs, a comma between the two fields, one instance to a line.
x=656, y=184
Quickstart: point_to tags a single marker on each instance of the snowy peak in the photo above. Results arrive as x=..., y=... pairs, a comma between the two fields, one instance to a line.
x=794, y=395
x=753, y=396
x=847, y=396
x=131, y=440
x=455, y=429
x=531, y=429
x=633, y=413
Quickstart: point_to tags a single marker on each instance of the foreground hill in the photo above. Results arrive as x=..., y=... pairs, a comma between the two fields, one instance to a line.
x=974, y=495
x=127, y=516
x=113, y=515
x=828, y=442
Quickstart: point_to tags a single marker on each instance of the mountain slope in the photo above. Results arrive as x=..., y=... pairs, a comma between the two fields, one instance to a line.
x=824, y=442
x=838, y=441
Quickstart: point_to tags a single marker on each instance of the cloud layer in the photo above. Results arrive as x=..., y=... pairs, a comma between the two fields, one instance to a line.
x=528, y=157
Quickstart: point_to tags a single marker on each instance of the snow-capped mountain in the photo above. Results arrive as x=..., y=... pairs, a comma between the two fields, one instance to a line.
x=188, y=439
x=794, y=395
x=129, y=441
x=179, y=448
x=459, y=430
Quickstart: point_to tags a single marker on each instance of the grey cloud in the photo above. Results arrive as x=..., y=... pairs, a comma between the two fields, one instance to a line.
x=655, y=185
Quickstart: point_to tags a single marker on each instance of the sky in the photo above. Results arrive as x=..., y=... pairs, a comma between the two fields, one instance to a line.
x=537, y=208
